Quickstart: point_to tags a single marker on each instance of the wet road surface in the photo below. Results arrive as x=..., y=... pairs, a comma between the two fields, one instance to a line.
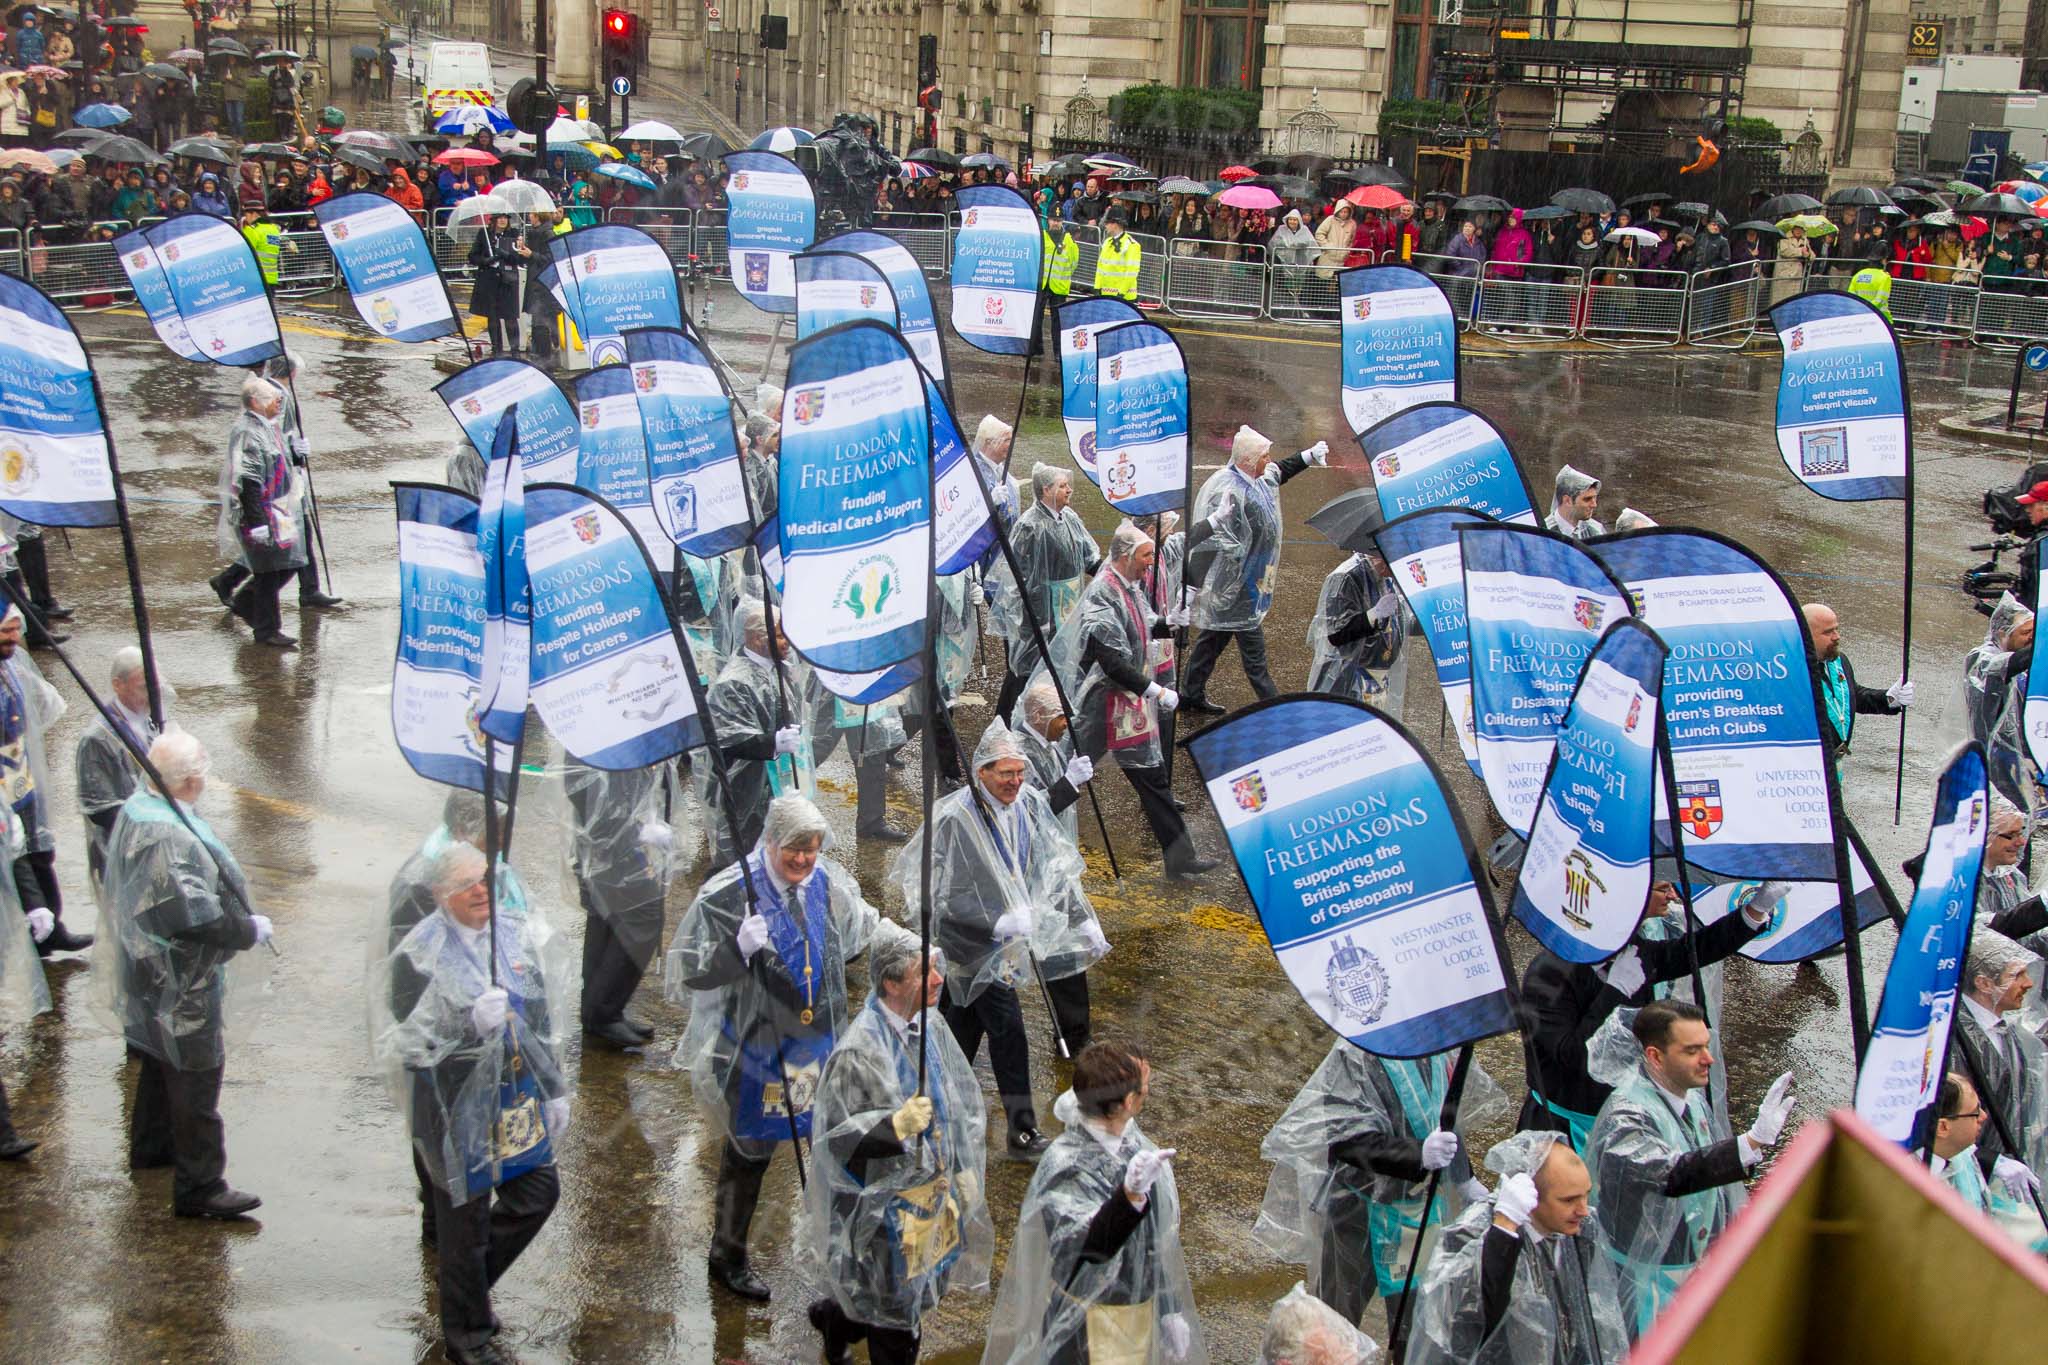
x=311, y=792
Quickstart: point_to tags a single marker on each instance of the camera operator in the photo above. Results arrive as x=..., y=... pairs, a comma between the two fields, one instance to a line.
x=2034, y=502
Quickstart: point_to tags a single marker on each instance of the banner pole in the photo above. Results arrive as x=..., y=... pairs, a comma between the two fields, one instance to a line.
x=1683, y=883
x=133, y=564
x=774, y=340
x=306, y=463
x=1030, y=360
x=1906, y=599
x=1397, y=1326
x=928, y=777
x=491, y=847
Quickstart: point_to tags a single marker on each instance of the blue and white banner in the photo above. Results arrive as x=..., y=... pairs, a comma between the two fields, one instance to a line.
x=964, y=529
x=56, y=467
x=693, y=454
x=1363, y=875
x=836, y=286
x=610, y=278
x=998, y=256
x=1141, y=419
x=1535, y=604
x=1585, y=877
x=1842, y=398
x=217, y=288
x=609, y=677
x=388, y=267
x=482, y=393
x=508, y=597
x=1807, y=923
x=611, y=458
x=767, y=542
x=1080, y=323
x=771, y=215
x=1400, y=344
x=153, y=292
x=1428, y=566
x=436, y=679
x=1746, y=750
x=915, y=318
x=1445, y=455
x=855, y=500
x=1903, y=1066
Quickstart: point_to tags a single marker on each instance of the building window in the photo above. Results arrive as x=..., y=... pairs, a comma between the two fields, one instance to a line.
x=1222, y=43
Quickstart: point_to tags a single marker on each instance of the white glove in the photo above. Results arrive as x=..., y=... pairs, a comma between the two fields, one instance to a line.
x=1471, y=1190
x=1080, y=768
x=1224, y=508
x=1385, y=609
x=968, y=1189
x=263, y=927
x=1180, y=618
x=1900, y=694
x=1772, y=1113
x=1179, y=1336
x=554, y=1115
x=1013, y=924
x=1516, y=1198
x=1091, y=937
x=752, y=937
x=296, y=444
x=487, y=1012
x=1168, y=699
x=1767, y=895
x=912, y=1118
x=1625, y=972
x=787, y=739
x=1143, y=1172
x=2019, y=1181
x=259, y=535
x=1438, y=1149
x=977, y=596
x=1318, y=454
x=41, y=924
x=656, y=834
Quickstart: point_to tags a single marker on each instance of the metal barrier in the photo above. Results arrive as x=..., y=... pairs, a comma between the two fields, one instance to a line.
x=2007, y=318
x=305, y=264
x=927, y=237
x=1301, y=293
x=451, y=245
x=84, y=273
x=1635, y=309
x=1450, y=273
x=1725, y=306
x=1207, y=287
x=1928, y=306
x=671, y=227
x=1541, y=303
x=707, y=240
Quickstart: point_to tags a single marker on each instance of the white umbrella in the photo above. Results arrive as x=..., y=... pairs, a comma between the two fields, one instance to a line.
x=523, y=196
x=650, y=130
x=568, y=130
x=1641, y=236
x=472, y=211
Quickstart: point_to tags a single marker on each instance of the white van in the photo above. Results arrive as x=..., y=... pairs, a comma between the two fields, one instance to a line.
x=457, y=73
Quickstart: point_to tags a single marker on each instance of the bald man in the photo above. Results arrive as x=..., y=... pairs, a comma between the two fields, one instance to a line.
x=1842, y=698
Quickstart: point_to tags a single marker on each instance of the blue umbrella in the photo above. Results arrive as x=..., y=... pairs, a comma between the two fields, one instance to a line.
x=467, y=120
x=619, y=170
x=101, y=116
x=781, y=140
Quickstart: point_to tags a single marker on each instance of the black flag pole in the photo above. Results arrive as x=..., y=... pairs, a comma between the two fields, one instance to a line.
x=1906, y=604
x=928, y=745
x=1397, y=1326
x=130, y=559
x=491, y=846
x=1030, y=361
x=1682, y=881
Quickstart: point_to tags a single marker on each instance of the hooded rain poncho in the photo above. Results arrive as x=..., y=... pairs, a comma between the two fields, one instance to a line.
x=1371, y=665
x=1115, y=621
x=107, y=776
x=744, y=704
x=23, y=992
x=617, y=872
x=1243, y=553
x=29, y=706
x=1054, y=553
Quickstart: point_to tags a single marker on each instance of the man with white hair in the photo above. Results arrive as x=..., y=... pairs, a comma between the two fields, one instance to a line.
x=2010, y=1062
x=1056, y=556
x=763, y=463
x=991, y=448
x=259, y=514
x=760, y=958
x=1574, y=499
x=178, y=907
x=760, y=734
x=105, y=758
x=29, y=706
x=1040, y=728
x=1233, y=591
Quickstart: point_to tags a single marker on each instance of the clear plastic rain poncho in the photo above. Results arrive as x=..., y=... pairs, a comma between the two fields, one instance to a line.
x=959, y=626
x=465, y=469
x=898, y=1225
x=758, y=1027
x=2014, y=1079
x=1113, y=619
x=1988, y=668
x=1046, y=759
x=476, y=1104
x=107, y=776
x=1636, y=1140
x=2016, y=1220
x=1053, y=1306
x=1570, y=483
x=619, y=867
x=988, y=862
x=1054, y=552
x=1352, y=1227
x=874, y=730
x=743, y=705
x=256, y=451
x=1565, y=1306
x=177, y=910
x=23, y=992
x=708, y=596
x=1303, y=1330
x=412, y=897
x=29, y=706
x=1614, y=1047
x=1994, y=704
x=1243, y=552
x=1373, y=668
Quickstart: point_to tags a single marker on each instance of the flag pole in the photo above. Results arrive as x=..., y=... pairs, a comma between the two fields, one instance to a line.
x=1683, y=882
x=491, y=846
x=131, y=560
x=1397, y=1325
x=928, y=744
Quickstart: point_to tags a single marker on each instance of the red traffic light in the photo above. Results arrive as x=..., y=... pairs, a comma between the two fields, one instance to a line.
x=617, y=22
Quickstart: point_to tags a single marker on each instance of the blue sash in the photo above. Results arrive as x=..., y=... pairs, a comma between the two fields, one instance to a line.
x=1258, y=560
x=518, y=1141
x=921, y=1232
x=758, y=1108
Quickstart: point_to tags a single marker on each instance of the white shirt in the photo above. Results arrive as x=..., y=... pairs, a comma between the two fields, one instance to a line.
x=1006, y=818
x=1992, y=1024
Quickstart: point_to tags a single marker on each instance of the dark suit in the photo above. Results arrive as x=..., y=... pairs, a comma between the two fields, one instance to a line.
x=1863, y=701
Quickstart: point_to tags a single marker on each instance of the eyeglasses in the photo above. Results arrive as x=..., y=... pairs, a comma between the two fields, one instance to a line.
x=1958, y=1118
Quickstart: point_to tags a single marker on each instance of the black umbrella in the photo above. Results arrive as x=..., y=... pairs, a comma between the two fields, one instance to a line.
x=225, y=47
x=202, y=149
x=1859, y=196
x=361, y=158
x=125, y=151
x=938, y=158
x=279, y=54
x=1545, y=213
x=1998, y=206
x=1286, y=186
x=1066, y=167
x=85, y=139
x=1906, y=197
x=1373, y=173
x=983, y=161
x=1692, y=209
x=1134, y=197
x=1665, y=223
x=270, y=151
x=1922, y=182
x=1788, y=206
x=1350, y=520
x=1639, y=200
x=1439, y=197
x=124, y=23
x=164, y=71
x=1481, y=203
x=1757, y=225
x=362, y=52
x=1310, y=164
x=1342, y=180
x=703, y=147
x=1269, y=165
x=1583, y=201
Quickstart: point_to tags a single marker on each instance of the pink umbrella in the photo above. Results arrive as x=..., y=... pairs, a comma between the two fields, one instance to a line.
x=23, y=159
x=1249, y=197
x=465, y=156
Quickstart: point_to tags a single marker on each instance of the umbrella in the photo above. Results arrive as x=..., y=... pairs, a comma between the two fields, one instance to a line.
x=1481, y=203
x=1859, y=196
x=1640, y=236
x=1920, y=182
x=631, y=175
x=24, y=159
x=1941, y=218
x=1439, y=197
x=469, y=212
x=1961, y=187
x=362, y=52
x=1311, y=164
x=47, y=72
x=1376, y=197
x=1350, y=520
x=1065, y=167
x=1180, y=184
x=1692, y=209
x=186, y=54
x=1785, y=205
x=1103, y=161
x=1236, y=173
x=703, y=147
x=1373, y=173
x=1999, y=206
x=383, y=144
x=2027, y=190
x=523, y=196
x=1286, y=186
x=1639, y=200
x=1812, y=224
x=225, y=47
x=1973, y=228
x=271, y=151
x=1583, y=201
x=1134, y=197
x=60, y=157
x=467, y=120
x=983, y=161
x=83, y=138
x=1332, y=181
x=125, y=151
x=1905, y=196
x=573, y=130
x=910, y=170
x=279, y=54
x=465, y=156
x=936, y=157
x=203, y=149
x=1269, y=165
x=783, y=140
x=1757, y=225
x=1249, y=197
x=362, y=158
x=1125, y=174
x=603, y=151
x=164, y=71
x=1544, y=213
x=653, y=130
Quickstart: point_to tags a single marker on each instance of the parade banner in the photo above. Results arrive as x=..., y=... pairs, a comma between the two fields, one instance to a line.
x=1446, y=455
x=56, y=464
x=693, y=456
x=1400, y=344
x=153, y=291
x=611, y=458
x=608, y=671
x=1535, y=604
x=609, y=278
x=436, y=678
x=854, y=502
x=1585, y=877
x=1080, y=323
x=1842, y=398
x=1141, y=419
x=388, y=267
x=915, y=317
x=1806, y=924
x=962, y=530
x=1902, y=1069
x=998, y=255
x=771, y=215
x=1746, y=748
x=1428, y=568
x=834, y=287
x=217, y=288
x=1361, y=871
x=482, y=393
x=508, y=598
x=2034, y=705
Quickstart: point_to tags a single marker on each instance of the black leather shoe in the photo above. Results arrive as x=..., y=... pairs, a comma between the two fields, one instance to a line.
x=62, y=940
x=1027, y=1144
x=226, y=1205
x=616, y=1035
x=14, y=1147
x=1192, y=869
x=883, y=834
x=1201, y=706
x=646, y=1033
x=490, y=1353
x=277, y=639
x=832, y=1352
x=740, y=1278
x=320, y=599
x=54, y=613
x=221, y=589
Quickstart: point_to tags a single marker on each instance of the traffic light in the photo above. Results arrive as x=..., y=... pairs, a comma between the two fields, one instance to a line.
x=620, y=31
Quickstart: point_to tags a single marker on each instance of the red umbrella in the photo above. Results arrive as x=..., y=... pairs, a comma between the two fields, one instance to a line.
x=465, y=156
x=1973, y=228
x=1376, y=197
x=1233, y=174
